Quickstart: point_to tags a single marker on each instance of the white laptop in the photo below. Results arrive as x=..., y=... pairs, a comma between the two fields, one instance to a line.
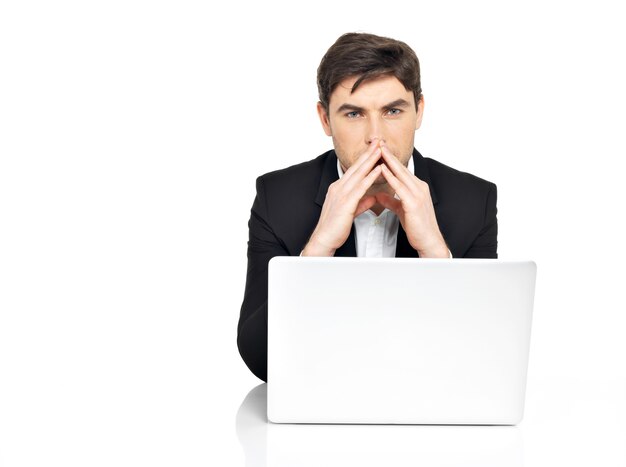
x=398, y=340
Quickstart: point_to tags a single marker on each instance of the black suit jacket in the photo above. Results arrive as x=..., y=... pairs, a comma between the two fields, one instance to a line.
x=286, y=210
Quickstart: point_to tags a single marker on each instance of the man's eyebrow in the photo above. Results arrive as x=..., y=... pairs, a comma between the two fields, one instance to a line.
x=349, y=108
x=397, y=103
x=355, y=108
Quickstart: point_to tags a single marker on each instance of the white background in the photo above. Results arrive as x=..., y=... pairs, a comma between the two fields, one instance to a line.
x=131, y=134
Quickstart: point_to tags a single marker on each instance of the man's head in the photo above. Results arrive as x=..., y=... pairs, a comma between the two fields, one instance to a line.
x=369, y=87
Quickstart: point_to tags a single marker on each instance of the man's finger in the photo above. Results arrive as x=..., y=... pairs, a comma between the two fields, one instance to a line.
x=399, y=187
x=398, y=169
x=364, y=204
x=369, y=180
x=364, y=169
x=389, y=202
x=361, y=188
x=365, y=161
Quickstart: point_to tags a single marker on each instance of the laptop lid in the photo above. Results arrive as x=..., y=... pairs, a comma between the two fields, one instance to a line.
x=398, y=340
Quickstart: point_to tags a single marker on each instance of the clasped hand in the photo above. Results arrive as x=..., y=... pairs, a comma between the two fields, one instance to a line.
x=351, y=195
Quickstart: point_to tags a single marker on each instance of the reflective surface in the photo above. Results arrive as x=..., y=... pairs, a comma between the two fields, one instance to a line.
x=568, y=431
x=282, y=445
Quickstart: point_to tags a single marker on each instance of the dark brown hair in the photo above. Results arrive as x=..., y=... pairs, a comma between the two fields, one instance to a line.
x=367, y=56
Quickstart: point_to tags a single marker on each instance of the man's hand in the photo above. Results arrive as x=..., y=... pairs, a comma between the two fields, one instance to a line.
x=344, y=201
x=414, y=208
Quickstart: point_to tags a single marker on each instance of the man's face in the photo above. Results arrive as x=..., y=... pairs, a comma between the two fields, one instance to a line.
x=379, y=108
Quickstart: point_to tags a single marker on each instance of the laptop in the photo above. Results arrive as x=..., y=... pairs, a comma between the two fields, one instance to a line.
x=398, y=340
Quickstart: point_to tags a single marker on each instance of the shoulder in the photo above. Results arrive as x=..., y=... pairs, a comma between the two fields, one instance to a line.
x=450, y=182
x=286, y=200
x=299, y=178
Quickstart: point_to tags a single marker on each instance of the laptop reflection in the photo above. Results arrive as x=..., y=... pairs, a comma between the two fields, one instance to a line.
x=285, y=445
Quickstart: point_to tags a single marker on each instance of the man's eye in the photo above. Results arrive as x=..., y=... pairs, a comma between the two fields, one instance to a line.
x=394, y=111
x=352, y=114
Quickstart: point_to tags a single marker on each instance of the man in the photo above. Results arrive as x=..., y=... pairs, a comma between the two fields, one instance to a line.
x=374, y=195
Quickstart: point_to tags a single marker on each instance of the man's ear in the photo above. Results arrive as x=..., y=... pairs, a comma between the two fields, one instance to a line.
x=420, y=112
x=321, y=112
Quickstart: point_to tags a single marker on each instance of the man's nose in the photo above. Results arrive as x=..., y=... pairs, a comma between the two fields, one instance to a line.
x=374, y=131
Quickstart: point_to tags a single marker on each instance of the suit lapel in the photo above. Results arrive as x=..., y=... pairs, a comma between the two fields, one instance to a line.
x=420, y=167
x=403, y=247
x=329, y=175
x=349, y=247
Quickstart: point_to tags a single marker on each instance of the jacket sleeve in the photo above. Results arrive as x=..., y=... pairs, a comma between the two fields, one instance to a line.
x=486, y=244
x=263, y=245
